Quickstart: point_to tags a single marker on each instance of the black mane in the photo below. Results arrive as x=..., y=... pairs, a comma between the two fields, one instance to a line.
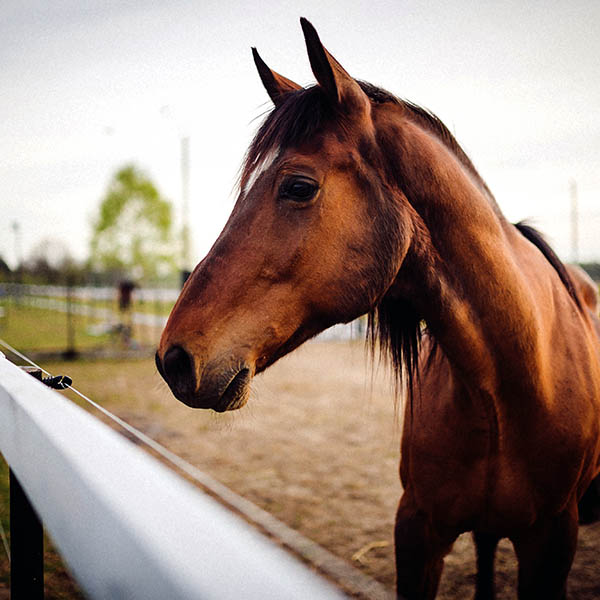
x=304, y=113
x=537, y=239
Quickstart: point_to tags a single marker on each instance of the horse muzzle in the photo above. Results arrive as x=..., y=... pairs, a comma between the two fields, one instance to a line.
x=222, y=385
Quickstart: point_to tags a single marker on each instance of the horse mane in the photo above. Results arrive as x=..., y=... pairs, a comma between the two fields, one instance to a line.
x=392, y=323
x=297, y=119
x=304, y=112
x=537, y=239
x=398, y=328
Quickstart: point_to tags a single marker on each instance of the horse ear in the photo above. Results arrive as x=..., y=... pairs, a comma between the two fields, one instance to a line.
x=332, y=77
x=277, y=85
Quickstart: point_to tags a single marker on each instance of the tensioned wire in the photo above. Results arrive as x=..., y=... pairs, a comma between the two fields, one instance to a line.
x=349, y=577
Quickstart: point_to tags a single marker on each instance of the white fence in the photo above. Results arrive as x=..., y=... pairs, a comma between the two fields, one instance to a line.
x=127, y=526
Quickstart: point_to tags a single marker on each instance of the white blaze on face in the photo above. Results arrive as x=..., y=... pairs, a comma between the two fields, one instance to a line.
x=266, y=161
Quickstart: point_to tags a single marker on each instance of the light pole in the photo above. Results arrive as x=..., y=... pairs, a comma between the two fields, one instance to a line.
x=18, y=257
x=185, y=264
x=185, y=209
x=16, y=227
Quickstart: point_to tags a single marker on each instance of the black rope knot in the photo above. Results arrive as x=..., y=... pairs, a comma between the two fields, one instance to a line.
x=56, y=382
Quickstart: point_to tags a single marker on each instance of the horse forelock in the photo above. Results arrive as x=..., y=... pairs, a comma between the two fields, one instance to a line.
x=304, y=114
x=299, y=118
x=262, y=163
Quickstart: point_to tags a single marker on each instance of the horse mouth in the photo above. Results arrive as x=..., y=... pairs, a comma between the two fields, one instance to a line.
x=236, y=393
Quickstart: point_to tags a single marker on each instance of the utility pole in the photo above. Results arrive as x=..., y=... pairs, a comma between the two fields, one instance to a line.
x=574, y=221
x=18, y=276
x=185, y=260
x=185, y=209
x=18, y=256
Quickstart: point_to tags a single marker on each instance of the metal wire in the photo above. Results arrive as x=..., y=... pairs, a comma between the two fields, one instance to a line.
x=22, y=356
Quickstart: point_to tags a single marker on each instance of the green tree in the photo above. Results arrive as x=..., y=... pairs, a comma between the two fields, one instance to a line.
x=132, y=235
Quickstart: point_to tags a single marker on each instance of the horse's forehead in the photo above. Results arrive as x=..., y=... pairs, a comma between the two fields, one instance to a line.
x=332, y=147
x=329, y=148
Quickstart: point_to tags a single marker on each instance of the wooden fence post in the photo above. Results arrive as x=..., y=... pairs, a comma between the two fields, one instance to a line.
x=70, y=352
x=26, y=546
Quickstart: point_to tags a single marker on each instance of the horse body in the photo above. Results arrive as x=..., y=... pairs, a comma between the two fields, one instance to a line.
x=352, y=202
x=503, y=333
x=502, y=431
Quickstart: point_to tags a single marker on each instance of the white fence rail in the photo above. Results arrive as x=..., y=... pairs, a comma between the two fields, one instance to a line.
x=127, y=526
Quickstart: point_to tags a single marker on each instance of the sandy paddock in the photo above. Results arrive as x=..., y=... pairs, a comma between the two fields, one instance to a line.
x=318, y=447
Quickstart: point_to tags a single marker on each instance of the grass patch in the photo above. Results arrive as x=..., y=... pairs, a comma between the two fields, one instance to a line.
x=34, y=329
x=154, y=307
x=151, y=307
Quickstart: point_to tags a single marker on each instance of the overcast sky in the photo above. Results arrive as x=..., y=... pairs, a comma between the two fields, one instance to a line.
x=83, y=84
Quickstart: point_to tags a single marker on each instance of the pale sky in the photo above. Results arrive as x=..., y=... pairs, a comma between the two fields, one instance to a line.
x=83, y=83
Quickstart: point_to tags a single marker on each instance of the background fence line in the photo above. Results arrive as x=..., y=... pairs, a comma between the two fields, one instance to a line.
x=96, y=326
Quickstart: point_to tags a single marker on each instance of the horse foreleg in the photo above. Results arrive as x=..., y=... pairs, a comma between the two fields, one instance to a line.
x=420, y=552
x=589, y=505
x=485, y=544
x=545, y=553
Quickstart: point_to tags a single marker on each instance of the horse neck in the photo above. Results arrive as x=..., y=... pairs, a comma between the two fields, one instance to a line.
x=461, y=272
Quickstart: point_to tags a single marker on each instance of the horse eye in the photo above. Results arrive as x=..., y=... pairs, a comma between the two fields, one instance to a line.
x=298, y=189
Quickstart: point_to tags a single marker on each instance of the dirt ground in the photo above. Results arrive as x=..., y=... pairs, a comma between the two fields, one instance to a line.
x=318, y=447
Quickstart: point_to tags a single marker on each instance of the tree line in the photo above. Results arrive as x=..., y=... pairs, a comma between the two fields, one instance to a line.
x=132, y=238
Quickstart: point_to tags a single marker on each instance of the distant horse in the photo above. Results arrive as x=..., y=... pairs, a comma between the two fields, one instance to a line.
x=351, y=202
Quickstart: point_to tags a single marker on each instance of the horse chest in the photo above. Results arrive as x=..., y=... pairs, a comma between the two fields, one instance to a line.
x=445, y=459
x=467, y=468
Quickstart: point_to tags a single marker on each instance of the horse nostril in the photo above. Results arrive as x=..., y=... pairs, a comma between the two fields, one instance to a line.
x=178, y=370
x=159, y=367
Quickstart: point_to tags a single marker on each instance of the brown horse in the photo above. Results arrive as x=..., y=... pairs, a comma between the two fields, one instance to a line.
x=352, y=201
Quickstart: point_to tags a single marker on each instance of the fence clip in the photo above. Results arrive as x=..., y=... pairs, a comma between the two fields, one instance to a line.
x=56, y=382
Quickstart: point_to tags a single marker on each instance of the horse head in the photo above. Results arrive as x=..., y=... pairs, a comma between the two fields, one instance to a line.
x=316, y=237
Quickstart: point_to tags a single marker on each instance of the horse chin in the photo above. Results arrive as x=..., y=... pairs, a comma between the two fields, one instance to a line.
x=221, y=391
x=236, y=393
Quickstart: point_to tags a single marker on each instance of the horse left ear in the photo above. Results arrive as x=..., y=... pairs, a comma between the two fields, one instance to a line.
x=332, y=77
x=277, y=86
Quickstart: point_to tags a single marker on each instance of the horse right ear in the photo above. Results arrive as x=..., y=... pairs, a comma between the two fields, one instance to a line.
x=331, y=76
x=277, y=86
